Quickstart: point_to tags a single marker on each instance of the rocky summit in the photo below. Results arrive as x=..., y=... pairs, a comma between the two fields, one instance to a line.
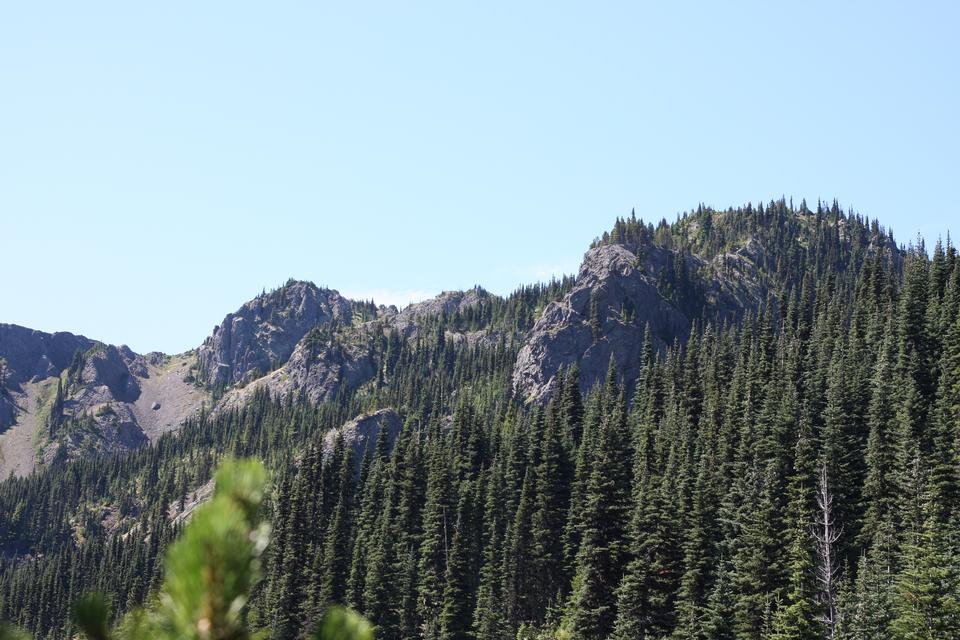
x=262, y=334
x=622, y=291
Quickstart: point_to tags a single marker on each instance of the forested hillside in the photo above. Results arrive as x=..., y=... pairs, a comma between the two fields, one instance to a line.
x=769, y=451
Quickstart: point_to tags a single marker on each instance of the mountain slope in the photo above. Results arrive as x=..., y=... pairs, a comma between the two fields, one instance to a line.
x=64, y=396
x=795, y=353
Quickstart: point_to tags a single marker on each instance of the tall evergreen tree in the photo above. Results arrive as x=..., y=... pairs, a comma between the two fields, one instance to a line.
x=603, y=549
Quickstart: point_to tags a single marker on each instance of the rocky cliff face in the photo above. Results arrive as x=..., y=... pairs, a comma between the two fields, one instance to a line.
x=321, y=366
x=263, y=333
x=28, y=356
x=620, y=290
x=31, y=354
x=111, y=373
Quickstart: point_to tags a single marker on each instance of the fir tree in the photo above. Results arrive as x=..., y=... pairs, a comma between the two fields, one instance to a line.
x=602, y=552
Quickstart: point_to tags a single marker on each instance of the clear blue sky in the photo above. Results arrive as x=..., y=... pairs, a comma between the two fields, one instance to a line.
x=161, y=165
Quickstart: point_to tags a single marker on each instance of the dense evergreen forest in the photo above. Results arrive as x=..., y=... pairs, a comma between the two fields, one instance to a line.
x=790, y=475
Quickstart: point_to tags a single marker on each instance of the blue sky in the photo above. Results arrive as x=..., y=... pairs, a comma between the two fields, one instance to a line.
x=160, y=165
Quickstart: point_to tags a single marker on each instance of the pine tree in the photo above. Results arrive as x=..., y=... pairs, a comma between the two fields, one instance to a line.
x=573, y=529
x=602, y=552
x=571, y=408
x=842, y=446
x=382, y=583
x=459, y=594
x=289, y=589
x=488, y=616
x=718, y=619
x=879, y=489
x=516, y=589
x=336, y=565
x=927, y=604
x=434, y=548
x=551, y=502
x=945, y=427
x=798, y=618
x=867, y=610
x=411, y=489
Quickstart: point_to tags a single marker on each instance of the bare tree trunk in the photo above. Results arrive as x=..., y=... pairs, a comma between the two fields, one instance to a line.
x=826, y=534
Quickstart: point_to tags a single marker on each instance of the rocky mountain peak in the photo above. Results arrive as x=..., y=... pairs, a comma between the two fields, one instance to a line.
x=262, y=334
x=708, y=266
x=622, y=288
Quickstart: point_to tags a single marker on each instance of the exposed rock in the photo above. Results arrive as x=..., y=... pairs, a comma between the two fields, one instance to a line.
x=483, y=338
x=178, y=514
x=29, y=353
x=136, y=364
x=618, y=293
x=361, y=433
x=407, y=322
x=262, y=334
x=155, y=358
x=155, y=406
x=107, y=365
x=110, y=427
x=102, y=386
x=319, y=368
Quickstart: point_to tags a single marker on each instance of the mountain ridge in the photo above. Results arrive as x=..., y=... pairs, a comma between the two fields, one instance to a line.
x=302, y=339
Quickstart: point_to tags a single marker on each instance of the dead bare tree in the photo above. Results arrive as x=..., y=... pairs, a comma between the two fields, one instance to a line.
x=826, y=534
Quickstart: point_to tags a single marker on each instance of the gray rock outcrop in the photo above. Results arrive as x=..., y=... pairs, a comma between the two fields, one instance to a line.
x=319, y=368
x=620, y=291
x=362, y=432
x=107, y=428
x=29, y=354
x=110, y=366
x=263, y=333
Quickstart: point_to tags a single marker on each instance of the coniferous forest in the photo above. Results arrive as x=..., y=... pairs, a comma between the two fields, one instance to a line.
x=790, y=471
